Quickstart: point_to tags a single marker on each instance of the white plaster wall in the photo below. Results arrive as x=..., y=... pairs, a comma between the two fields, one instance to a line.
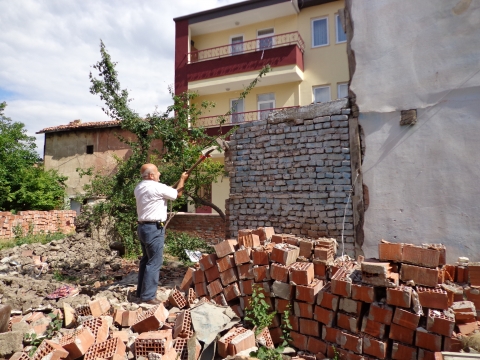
x=424, y=179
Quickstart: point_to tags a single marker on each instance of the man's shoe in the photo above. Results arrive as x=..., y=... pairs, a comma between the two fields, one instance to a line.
x=154, y=301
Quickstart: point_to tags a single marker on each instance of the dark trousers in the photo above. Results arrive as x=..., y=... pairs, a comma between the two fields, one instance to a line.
x=152, y=241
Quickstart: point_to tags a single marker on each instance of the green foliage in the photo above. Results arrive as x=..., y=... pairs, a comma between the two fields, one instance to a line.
x=24, y=184
x=257, y=313
x=58, y=276
x=264, y=353
x=182, y=144
x=21, y=238
x=53, y=327
x=176, y=244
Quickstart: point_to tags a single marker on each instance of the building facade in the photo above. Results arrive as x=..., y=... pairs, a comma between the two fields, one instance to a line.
x=219, y=52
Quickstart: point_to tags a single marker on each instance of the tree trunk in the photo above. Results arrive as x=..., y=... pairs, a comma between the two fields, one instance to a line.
x=199, y=200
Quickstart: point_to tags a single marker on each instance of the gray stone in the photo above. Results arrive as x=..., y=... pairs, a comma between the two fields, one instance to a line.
x=11, y=342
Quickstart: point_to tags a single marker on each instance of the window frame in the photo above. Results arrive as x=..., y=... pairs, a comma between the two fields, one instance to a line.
x=230, y=48
x=313, y=37
x=259, y=37
x=338, y=88
x=338, y=25
x=238, y=116
x=320, y=87
x=89, y=150
x=260, y=112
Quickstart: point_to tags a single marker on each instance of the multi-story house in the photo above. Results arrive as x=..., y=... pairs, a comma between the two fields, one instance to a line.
x=219, y=52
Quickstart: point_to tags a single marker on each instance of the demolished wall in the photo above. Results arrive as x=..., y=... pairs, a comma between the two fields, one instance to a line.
x=292, y=172
x=422, y=177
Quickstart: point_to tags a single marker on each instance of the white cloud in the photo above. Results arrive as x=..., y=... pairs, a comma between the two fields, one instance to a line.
x=47, y=49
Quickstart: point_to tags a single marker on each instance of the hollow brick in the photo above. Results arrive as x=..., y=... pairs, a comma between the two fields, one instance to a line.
x=246, y=287
x=183, y=325
x=98, y=327
x=225, y=263
x=308, y=293
x=427, y=340
x=228, y=276
x=301, y=273
x=421, y=256
x=231, y=292
x=265, y=338
x=279, y=272
x=373, y=328
x=151, y=319
x=50, y=350
x=78, y=342
x=350, y=341
x=435, y=298
x=379, y=274
x=242, y=256
x=99, y=306
x=226, y=247
x=390, y=251
x=249, y=240
x=261, y=273
x=324, y=316
x=212, y=274
x=191, y=297
x=187, y=279
x=348, y=322
x=320, y=269
x=403, y=352
x=330, y=334
x=242, y=341
x=214, y=288
x=315, y=345
x=159, y=342
x=207, y=261
x=260, y=257
x=375, y=347
x=199, y=276
x=245, y=271
x=309, y=327
x=113, y=348
x=380, y=312
x=401, y=334
x=406, y=318
x=365, y=293
x=399, y=296
x=284, y=254
x=452, y=343
x=299, y=340
x=201, y=289
x=177, y=299
x=340, y=285
x=306, y=248
x=420, y=275
x=281, y=305
x=283, y=290
x=326, y=299
x=302, y=309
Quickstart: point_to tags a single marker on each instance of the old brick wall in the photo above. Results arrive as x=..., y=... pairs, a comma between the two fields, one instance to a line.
x=37, y=221
x=210, y=227
x=292, y=171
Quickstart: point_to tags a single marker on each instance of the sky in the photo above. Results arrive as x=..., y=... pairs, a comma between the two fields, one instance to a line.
x=48, y=47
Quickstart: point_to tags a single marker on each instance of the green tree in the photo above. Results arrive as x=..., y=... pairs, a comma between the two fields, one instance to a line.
x=182, y=144
x=24, y=185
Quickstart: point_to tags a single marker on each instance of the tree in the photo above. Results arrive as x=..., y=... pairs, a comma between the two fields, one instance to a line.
x=24, y=185
x=182, y=144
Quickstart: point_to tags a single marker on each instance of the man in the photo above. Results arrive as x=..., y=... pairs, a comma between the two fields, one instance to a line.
x=151, y=197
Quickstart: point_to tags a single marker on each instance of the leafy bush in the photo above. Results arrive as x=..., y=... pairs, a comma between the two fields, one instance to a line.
x=177, y=242
x=29, y=238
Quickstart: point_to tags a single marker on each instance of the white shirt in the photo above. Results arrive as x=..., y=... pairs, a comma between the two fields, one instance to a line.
x=151, y=198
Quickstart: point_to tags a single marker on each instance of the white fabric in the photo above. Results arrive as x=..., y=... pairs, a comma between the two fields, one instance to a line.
x=151, y=198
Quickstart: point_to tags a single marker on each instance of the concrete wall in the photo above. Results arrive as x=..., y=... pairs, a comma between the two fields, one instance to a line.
x=422, y=179
x=292, y=171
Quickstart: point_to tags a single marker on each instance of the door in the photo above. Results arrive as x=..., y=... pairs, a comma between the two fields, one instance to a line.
x=236, y=46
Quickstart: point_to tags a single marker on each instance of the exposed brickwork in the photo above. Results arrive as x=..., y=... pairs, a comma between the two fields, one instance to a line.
x=209, y=227
x=37, y=221
x=292, y=173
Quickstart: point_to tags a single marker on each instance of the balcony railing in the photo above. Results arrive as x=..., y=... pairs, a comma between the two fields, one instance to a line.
x=237, y=118
x=264, y=43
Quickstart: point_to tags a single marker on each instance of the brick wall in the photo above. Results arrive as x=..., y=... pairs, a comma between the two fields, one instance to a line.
x=292, y=171
x=40, y=221
x=210, y=227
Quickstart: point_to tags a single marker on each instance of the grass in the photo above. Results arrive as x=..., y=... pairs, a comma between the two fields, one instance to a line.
x=43, y=238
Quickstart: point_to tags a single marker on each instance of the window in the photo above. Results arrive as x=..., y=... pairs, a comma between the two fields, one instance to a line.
x=236, y=105
x=321, y=94
x=342, y=90
x=89, y=149
x=319, y=32
x=265, y=103
x=265, y=39
x=236, y=46
x=341, y=36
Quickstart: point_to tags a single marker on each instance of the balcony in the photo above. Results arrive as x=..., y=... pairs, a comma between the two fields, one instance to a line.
x=237, y=118
x=210, y=71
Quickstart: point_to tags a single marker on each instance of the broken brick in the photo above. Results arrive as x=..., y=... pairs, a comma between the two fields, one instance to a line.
x=98, y=327
x=207, y=261
x=231, y=292
x=225, y=247
x=151, y=319
x=78, y=342
x=242, y=341
x=99, y=307
x=379, y=274
x=308, y=293
x=399, y=296
x=440, y=323
x=301, y=273
x=129, y=318
x=339, y=283
x=436, y=298
x=284, y=254
x=265, y=339
x=183, y=325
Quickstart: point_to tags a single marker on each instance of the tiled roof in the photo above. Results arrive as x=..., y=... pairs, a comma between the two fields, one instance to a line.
x=74, y=125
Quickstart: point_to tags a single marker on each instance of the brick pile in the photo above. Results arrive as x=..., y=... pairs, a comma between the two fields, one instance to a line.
x=408, y=304
x=37, y=222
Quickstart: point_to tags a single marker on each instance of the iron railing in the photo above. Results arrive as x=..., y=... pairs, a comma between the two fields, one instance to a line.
x=264, y=43
x=237, y=118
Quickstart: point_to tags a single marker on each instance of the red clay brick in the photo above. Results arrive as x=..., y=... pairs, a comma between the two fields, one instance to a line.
x=176, y=298
x=280, y=238
x=77, y=343
x=183, y=325
x=474, y=274
x=122, y=335
x=281, y=305
x=309, y=327
x=245, y=271
x=308, y=293
x=350, y=342
x=365, y=293
x=301, y=273
x=207, y=261
x=324, y=316
x=380, y=312
x=214, y=288
x=261, y=273
x=99, y=306
x=373, y=328
x=212, y=274
x=340, y=285
x=390, y=251
x=421, y=256
x=226, y=247
x=187, y=279
x=276, y=334
x=440, y=323
x=225, y=263
x=237, y=310
x=199, y=276
x=320, y=269
x=129, y=318
x=228, y=276
x=245, y=287
x=293, y=322
x=50, y=350
x=284, y=254
x=292, y=240
x=279, y=272
x=242, y=256
x=260, y=257
x=429, y=341
x=265, y=339
x=401, y=334
x=98, y=327
x=379, y=273
x=375, y=347
x=201, y=289
x=264, y=233
x=348, y=322
x=452, y=344
x=330, y=334
x=151, y=319
x=249, y=240
x=428, y=355
x=467, y=327
x=403, y=352
x=461, y=274
x=302, y=309
x=316, y=346
x=306, y=248
x=419, y=275
x=231, y=292
x=399, y=296
x=298, y=340
x=159, y=342
x=406, y=318
x=433, y=298
x=107, y=349
x=326, y=299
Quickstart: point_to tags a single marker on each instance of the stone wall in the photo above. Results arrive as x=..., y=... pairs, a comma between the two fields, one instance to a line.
x=292, y=171
x=210, y=227
x=37, y=222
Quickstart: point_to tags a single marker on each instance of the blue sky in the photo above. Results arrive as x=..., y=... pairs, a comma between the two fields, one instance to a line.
x=47, y=48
